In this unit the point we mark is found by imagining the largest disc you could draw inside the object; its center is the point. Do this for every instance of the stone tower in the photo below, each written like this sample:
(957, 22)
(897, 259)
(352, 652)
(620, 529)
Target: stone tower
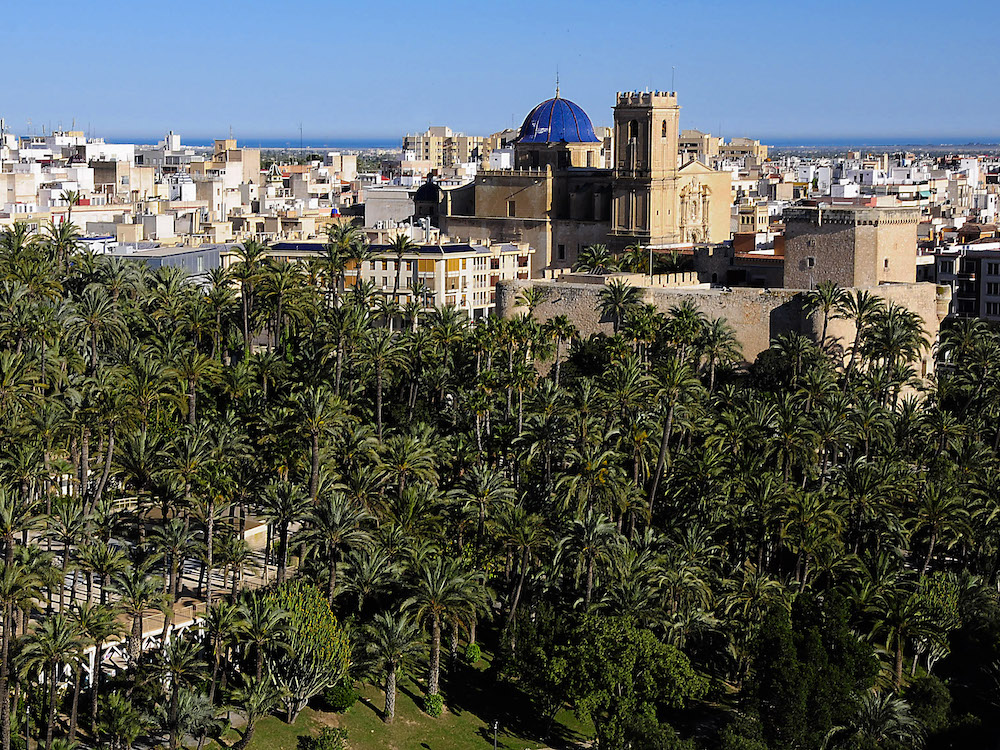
(644, 204)
(850, 245)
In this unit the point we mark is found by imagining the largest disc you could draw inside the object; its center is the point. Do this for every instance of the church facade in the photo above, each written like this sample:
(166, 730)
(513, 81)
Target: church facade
(565, 194)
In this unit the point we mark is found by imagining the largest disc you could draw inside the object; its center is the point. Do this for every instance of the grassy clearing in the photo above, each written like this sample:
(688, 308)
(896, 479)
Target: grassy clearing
(473, 704)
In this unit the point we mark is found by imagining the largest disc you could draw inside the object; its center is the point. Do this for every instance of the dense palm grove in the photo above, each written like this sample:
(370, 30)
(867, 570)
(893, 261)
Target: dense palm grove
(801, 553)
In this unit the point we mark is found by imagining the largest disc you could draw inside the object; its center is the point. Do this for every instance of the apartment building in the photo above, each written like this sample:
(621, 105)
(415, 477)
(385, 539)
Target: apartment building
(972, 271)
(464, 275)
(442, 147)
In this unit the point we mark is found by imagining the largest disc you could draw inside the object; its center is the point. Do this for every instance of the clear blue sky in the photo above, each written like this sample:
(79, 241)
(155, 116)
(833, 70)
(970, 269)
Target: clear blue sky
(377, 69)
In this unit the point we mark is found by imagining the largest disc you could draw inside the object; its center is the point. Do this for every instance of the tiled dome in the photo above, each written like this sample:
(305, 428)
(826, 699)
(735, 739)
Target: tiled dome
(557, 120)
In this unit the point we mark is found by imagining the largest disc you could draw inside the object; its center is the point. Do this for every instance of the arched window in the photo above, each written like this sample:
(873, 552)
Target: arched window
(663, 130)
(633, 129)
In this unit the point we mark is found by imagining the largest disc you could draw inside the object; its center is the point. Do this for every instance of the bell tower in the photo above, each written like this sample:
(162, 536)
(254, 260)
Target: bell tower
(644, 204)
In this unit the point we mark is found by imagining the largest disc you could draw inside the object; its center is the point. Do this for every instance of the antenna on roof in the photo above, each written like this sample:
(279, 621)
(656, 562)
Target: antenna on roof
(557, 81)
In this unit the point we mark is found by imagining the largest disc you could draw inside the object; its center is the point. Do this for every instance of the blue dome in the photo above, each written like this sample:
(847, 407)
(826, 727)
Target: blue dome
(557, 120)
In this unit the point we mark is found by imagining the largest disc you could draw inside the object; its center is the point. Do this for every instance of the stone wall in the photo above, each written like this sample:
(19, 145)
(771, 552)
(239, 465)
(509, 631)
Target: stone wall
(757, 316)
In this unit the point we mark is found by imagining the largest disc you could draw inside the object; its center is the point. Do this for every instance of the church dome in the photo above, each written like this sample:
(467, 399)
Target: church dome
(557, 120)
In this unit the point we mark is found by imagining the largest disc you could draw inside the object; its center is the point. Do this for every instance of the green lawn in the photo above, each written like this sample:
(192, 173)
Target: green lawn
(473, 704)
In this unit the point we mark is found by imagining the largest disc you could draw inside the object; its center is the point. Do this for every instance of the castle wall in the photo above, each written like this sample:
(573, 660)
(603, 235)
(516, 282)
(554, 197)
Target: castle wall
(757, 316)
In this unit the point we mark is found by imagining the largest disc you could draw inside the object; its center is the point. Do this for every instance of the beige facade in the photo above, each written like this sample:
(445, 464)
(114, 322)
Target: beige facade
(443, 148)
(853, 246)
(739, 148)
(693, 145)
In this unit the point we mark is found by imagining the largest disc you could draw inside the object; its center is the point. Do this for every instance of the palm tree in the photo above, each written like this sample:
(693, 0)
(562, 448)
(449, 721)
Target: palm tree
(323, 413)
(560, 329)
(439, 593)
(55, 644)
(595, 259)
(616, 299)
(138, 591)
(19, 587)
(405, 458)
(69, 525)
(248, 272)
(592, 538)
(62, 240)
(531, 297)
(265, 623)
(174, 540)
(225, 623)
(676, 384)
(258, 697)
(283, 504)
(827, 299)
(942, 514)
(179, 665)
(98, 318)
(882, 720)
(192, 369)
(394, 640)
(98, 624)
(524, 534)
(385, 352)
(899, 615)
(121, 722)
(717, 346)
(333, 525)
(400, 246)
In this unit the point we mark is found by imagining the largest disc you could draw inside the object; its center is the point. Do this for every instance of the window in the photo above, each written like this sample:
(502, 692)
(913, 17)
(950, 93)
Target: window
(885, 264)
(947, 266)
(562, 252)
(993, 269)
(810, 262)
(510, 209)
(663, 130)
(993, 288)
(992, 308)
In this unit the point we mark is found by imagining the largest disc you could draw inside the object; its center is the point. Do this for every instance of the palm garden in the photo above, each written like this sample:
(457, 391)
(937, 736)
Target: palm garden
(685, 552)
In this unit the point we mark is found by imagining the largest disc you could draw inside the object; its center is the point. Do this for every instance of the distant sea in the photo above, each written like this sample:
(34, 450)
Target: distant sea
(871, 142)
(781, 143)
(308, 144)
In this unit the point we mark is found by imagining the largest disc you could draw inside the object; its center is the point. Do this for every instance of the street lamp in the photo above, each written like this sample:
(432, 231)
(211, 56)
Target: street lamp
(496, 726)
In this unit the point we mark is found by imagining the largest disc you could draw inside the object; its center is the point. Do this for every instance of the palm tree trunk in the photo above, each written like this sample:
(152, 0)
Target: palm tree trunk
(282, 552)
(378, 402)
(314, 466)
(8, 620)
(332, 585)
(50, 724)
(75, 704)
(209, 551)
(192, 401)
(95, 687)
(390, 694)
(517, 591)
(435, 660)
(244, 741)
(662, 458)
(930, 554)
(590, 581)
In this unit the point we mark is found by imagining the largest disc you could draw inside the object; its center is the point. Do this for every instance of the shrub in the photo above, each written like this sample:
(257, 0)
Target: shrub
(330, 738)
(473, 653)
(340, 697)
(433, 705)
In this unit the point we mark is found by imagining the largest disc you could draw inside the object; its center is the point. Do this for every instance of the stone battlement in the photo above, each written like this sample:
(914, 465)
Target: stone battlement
(642, 98)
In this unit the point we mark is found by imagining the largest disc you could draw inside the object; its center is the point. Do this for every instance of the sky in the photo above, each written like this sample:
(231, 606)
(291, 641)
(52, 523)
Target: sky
(802, 71)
